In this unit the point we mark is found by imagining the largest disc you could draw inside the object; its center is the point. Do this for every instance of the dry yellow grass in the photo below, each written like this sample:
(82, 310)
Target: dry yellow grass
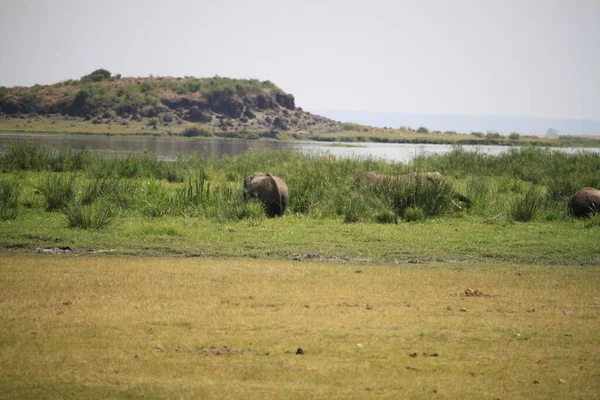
(115, 327)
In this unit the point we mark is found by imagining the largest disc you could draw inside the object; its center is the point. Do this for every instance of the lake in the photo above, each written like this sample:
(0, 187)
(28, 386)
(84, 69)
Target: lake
(170, 148)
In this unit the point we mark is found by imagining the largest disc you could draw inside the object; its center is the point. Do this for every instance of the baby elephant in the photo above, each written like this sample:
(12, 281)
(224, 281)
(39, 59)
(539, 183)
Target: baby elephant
(585, 202)
(270, 190)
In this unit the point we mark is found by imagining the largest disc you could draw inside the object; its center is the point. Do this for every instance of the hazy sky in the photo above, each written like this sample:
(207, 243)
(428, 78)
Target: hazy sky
(493, 57)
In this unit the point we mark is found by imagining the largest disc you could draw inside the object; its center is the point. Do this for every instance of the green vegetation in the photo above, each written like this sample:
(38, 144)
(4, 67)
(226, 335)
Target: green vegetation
(112, 198)
(105, 103)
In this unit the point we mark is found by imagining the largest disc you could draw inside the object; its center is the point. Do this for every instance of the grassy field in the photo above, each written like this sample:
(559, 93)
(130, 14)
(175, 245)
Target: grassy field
(164, 283)
(129, 327)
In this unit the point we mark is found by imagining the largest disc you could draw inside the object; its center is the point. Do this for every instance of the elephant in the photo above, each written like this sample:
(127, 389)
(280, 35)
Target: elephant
(270, 190)
(585, 202)
(411, 178)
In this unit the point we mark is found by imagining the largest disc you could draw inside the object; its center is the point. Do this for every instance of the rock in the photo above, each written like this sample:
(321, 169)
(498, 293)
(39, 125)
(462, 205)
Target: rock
(264, 102)
(281, 123)
(286, 100)
(197, 115)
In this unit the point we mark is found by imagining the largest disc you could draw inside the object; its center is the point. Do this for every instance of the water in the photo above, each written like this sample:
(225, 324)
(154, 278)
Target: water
(170, 148)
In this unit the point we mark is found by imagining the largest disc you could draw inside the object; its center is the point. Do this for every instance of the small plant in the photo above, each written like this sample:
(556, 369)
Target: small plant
(387, 217)
(525, 207)
(58, 191)
(10, 191)
(414, 214)
(95, 216)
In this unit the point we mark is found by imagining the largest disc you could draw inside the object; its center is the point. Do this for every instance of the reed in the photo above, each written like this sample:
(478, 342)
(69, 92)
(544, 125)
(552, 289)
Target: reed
(58, 190)
(96, 216)
(520, 185)
(10, 193)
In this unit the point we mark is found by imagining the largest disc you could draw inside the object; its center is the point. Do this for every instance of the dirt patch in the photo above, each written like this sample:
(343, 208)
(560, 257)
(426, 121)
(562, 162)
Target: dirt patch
(474, 293)
(54, 250)
(317, 257)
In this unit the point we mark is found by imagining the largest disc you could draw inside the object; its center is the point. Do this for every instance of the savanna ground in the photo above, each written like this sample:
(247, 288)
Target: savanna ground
(167, 285)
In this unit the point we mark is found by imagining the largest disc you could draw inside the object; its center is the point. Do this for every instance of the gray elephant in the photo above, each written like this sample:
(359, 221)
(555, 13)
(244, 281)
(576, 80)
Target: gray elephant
(585, 202)
(270, 190)
(377, 177)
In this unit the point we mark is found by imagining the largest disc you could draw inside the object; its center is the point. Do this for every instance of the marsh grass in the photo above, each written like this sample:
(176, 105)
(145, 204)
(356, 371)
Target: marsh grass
(57, 190)
(10, 193)
(525, 207)
(119, 327)
(524, 184)
(95, 216)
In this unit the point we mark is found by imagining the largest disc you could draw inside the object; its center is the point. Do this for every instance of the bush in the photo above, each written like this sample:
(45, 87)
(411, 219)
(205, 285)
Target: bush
(422, 129)
(514, 136)
(96, 76)
(196, 131)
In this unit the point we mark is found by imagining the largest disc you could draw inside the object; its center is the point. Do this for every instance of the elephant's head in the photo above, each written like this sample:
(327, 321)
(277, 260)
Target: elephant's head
(270, 190)
(585, 202)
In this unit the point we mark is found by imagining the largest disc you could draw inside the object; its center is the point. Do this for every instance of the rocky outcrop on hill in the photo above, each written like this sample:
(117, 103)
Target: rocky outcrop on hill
(219, 104)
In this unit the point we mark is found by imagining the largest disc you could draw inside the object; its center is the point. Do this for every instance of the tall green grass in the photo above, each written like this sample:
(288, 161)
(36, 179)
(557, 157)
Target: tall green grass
(96, 216)
(520, 185)
(57, 190)
(10, 192)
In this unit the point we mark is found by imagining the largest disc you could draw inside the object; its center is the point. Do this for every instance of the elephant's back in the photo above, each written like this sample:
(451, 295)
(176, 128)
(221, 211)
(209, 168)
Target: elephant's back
(585, 201)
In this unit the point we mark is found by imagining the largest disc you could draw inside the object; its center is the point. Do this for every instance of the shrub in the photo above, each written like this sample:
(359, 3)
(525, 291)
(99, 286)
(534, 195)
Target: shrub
(96, 76)
(10, 192)
(89, 98)
(422, 129)
(514, 136)
(195, 131)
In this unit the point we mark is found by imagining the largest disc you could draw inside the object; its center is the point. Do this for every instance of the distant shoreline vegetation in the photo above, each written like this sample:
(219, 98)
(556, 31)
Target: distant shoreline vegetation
(107, 104)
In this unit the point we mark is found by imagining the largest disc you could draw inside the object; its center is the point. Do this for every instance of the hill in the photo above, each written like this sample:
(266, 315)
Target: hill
(104, 103)
(189, 106)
